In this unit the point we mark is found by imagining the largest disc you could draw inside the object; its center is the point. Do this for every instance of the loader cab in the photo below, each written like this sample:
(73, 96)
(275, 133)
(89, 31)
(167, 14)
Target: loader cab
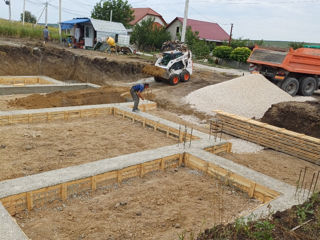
(170, 55)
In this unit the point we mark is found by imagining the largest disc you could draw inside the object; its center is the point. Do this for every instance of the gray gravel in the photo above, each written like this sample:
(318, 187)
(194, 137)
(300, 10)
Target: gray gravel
(248, 96)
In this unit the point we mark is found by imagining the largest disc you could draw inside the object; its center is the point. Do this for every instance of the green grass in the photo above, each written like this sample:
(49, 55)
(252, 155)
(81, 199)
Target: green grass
(17, 30)
(282, 44)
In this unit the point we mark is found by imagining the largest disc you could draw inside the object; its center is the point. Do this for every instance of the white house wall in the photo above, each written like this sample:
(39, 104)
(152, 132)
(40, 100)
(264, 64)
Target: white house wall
(172, 29)
(156, 19)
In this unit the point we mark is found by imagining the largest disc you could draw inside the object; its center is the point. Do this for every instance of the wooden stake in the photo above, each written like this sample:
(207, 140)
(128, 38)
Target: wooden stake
(93, 183)
(64, 191)
(29, 201)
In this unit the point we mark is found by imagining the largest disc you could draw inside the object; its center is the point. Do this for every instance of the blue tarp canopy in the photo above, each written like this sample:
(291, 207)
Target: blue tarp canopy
(69, 24)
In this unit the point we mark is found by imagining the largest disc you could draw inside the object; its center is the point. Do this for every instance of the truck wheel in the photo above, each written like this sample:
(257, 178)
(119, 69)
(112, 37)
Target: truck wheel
(184, 76)
(308, 86)
(158, 79)
(174, 79)
(290, 85)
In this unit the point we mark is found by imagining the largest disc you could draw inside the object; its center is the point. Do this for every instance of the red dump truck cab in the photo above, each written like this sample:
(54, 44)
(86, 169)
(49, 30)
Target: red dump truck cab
(296, 71)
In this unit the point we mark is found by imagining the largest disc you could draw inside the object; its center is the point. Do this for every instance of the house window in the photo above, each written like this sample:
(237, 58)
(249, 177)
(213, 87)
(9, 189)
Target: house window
(178, 30)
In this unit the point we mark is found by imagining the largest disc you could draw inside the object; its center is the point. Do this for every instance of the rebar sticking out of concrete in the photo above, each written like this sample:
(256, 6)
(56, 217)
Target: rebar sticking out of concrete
(185, 136)
(316, 182)
(311, 183)
(179, 135)
(304, 175)
(298, 183)
(191, 137)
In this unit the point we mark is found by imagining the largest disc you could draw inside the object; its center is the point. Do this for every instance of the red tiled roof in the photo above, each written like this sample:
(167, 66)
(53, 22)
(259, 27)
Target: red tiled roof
(207, 30)
(140, 13)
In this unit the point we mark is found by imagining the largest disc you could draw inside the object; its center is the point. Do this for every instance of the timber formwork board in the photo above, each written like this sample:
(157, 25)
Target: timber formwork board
(25, 80)
(292, 143)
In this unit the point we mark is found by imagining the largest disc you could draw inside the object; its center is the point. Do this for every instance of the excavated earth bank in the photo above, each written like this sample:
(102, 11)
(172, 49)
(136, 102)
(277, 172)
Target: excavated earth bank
(64, 65)
(101, 95)
(302, 117)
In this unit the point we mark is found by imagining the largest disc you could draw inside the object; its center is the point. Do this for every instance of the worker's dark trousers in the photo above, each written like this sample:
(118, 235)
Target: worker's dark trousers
(135, 99)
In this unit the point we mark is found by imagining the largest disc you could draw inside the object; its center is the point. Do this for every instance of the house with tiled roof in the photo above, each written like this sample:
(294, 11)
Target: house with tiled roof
(141, 14)
(207, 30)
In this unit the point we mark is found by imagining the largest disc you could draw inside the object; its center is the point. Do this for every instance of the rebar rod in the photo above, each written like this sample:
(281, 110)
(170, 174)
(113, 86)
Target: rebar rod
(316, 182)
(311, 183)
(298, 183)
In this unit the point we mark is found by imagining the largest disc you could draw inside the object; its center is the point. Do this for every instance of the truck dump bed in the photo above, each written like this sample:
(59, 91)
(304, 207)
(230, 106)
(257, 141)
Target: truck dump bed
(302, 60)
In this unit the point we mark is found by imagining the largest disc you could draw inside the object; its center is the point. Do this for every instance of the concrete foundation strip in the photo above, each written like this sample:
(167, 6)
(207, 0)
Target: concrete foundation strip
(27, 192)
(37, 84)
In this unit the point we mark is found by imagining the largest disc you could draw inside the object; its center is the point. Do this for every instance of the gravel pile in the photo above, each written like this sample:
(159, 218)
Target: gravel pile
(248, 96)
(242, 146)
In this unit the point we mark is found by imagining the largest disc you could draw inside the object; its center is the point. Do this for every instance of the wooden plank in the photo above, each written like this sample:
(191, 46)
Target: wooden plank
(119, 176)
(252, 188)
(283, 131)
(275, 145)
(271, 134)
(93, 183)
(29, 201)
(64, 191)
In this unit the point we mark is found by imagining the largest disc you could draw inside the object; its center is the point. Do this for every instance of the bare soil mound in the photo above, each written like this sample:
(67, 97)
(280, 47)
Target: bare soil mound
(64, 64)
(302, 117)
(301, 222)
(73, 98)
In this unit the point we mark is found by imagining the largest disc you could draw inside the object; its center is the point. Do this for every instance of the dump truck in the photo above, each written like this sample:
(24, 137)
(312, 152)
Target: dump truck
(296, 71)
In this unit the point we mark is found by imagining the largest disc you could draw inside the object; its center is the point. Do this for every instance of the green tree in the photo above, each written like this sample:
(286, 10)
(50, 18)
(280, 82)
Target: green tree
(222, 52)
(200, 49)
(240, 54)
(121, 11)
(28, 17)
(191, 37)
(149, 36)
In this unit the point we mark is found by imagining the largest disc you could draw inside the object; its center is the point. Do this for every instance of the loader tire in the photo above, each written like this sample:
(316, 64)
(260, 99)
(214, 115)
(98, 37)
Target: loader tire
(184, 76)
(307, 86)
(290, 86)
(174, 79)
(157, 79)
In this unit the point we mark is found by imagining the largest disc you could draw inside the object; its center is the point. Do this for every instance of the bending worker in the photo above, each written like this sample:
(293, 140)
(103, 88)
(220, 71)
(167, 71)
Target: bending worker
(112, 44)
(136, 91)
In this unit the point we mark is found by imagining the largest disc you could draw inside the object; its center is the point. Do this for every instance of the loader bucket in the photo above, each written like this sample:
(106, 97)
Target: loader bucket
(154, 71)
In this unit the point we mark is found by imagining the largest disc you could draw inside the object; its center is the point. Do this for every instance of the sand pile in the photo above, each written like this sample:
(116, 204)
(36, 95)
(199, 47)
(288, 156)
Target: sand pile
(249, 96)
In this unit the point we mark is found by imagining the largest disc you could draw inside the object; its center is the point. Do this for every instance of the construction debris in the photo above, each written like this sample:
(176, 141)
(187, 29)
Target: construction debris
(173, 45)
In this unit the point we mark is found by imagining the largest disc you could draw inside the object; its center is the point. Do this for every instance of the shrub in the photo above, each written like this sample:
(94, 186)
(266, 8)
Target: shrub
(240, 54)
(200, 49)
(296, 45)
(222, 52)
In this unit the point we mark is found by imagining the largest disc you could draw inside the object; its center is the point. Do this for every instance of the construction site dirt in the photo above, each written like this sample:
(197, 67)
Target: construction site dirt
(35, 148)
(159, 206)
(296, 116)
(162, 205)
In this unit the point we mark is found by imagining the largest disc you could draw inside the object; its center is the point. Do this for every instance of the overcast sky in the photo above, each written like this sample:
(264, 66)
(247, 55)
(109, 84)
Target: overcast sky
(291, 20)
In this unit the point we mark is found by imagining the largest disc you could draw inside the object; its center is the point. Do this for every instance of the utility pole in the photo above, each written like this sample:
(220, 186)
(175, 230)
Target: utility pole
(24, 11)
(60, 21)
(111, 16)
(230, 36)
(46, 13)
(184, 26)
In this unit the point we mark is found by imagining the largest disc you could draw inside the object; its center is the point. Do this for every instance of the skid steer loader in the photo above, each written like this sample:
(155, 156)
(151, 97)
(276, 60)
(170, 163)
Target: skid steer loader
(173, 66)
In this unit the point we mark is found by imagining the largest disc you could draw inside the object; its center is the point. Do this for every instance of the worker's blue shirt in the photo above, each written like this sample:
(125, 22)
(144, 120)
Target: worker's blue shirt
(138, 88)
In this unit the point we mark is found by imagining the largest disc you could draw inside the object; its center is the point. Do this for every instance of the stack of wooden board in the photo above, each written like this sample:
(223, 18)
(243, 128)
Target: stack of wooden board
(280, 139)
